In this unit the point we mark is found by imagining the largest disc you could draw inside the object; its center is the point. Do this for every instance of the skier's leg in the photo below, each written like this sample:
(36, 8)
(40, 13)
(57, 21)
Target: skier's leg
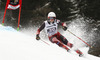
(70, 45)
(65, 41)
(60, 44)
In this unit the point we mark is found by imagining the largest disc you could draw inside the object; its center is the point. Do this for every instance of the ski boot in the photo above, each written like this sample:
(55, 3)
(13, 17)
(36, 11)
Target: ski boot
(80, 55)
(64, 46)
(68, 50)
(79, 52)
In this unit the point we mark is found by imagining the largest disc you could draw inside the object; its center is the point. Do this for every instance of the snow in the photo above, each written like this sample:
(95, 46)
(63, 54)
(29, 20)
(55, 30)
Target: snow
(16, 45)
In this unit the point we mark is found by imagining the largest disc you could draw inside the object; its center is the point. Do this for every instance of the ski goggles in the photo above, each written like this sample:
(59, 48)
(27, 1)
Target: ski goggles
(51, 18)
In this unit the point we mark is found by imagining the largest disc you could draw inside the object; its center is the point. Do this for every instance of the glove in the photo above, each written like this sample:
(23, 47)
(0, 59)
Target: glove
(64, 28)
(37, 37)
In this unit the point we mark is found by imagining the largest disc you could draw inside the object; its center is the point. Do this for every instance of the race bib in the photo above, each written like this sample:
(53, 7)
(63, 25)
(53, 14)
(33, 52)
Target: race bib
(51, 30)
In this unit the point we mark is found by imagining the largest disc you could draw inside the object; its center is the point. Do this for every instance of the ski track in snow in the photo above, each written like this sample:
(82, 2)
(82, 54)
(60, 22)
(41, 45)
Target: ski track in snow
(16, 45)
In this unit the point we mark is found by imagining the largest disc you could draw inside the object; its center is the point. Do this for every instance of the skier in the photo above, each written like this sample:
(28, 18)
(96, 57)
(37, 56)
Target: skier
(54, 36)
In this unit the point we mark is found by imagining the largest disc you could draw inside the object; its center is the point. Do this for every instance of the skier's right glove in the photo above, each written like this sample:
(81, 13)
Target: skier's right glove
(37, 37)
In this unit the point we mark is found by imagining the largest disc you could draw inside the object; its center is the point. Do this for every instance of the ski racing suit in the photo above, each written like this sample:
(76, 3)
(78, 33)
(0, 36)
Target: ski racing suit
(53, 35)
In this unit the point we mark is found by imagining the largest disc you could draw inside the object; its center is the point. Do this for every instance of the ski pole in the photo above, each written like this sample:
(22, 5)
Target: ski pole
(45, 42)
(80, 39)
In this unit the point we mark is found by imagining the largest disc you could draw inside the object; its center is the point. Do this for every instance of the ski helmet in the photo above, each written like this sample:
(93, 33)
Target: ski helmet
(51, 14)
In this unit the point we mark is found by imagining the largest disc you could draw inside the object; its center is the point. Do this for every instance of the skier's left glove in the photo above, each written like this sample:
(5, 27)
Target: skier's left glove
(64, 28)
(37, 37)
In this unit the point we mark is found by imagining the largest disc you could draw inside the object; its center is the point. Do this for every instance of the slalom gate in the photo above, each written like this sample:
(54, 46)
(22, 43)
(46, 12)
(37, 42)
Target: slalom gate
(13, 6)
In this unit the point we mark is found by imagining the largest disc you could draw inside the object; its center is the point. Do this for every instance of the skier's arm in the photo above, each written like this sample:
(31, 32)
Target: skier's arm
(39, 30)
(62, 24)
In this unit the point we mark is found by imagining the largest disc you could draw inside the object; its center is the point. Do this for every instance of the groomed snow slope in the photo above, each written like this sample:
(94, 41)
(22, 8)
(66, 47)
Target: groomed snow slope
(16, 45)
